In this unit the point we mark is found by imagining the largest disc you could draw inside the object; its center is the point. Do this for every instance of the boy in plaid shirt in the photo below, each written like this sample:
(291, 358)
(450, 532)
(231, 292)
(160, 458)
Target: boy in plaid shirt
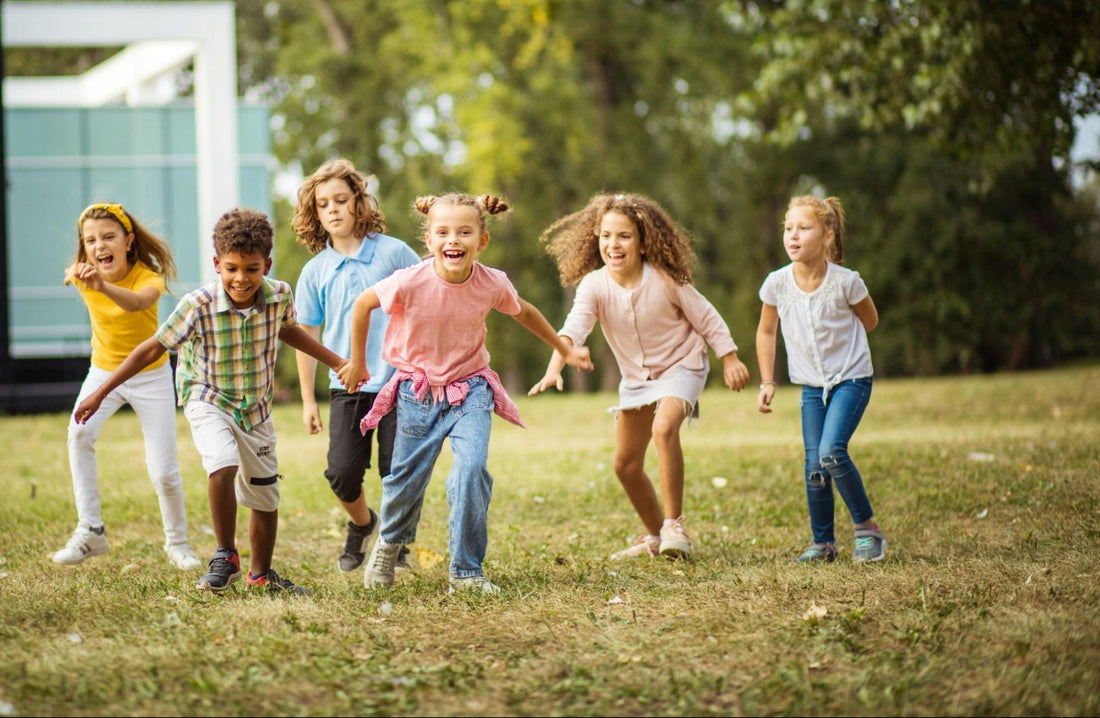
(226, 334)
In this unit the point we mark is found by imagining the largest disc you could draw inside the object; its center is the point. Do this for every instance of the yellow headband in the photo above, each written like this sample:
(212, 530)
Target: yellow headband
(116, 211)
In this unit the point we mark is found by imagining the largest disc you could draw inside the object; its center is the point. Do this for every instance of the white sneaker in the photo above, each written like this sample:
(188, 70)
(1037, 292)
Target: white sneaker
(83, 544)
(380, 566)
(675, 543)
(183, 557)
(473, 583)
(643, 545)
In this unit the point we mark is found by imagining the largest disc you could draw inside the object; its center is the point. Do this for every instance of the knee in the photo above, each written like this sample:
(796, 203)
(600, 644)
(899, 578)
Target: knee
(665, 432)
(82, 435)
(346, 487)
(833, 457)
(817, 480)
(626, 466)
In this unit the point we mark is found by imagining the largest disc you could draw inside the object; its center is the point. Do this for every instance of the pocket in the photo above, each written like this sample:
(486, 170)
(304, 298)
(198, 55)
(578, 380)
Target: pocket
(412, 415)
(479, 398)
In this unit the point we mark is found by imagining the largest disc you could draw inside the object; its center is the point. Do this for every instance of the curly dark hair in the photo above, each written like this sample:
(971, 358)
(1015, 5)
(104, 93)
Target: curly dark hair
(485, 205)
(244, 230)
(574, 240)
(307, 225)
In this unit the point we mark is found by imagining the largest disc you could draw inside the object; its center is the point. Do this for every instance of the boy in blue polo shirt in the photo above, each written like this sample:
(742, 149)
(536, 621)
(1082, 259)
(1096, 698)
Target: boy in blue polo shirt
(338, 220)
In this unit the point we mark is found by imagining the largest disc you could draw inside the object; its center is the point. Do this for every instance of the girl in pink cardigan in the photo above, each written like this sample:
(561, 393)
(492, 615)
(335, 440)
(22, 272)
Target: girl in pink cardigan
(632, 264)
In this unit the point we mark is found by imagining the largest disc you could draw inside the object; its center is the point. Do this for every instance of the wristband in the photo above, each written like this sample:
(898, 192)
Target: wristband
(766, 383)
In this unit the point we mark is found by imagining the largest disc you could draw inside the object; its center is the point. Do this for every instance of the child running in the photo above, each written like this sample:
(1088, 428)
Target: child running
(826, 312)
(121, 270)
(339, 221)
(443, 386)
(226, 334)
(632, 262)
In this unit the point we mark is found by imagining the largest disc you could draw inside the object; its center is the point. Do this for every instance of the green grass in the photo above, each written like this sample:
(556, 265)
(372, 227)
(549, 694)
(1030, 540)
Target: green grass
(985, 605)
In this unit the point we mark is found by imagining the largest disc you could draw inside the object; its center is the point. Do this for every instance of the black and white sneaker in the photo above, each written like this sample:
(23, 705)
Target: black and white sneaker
(357, 543)
(224, 569)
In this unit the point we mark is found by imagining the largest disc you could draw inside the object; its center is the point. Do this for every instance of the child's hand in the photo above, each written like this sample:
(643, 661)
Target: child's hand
(764, 398)
(579, 357)
(551, 378)
(311, 417)
(734, 372)
(352, 375)
(87, 274)
(87, 408)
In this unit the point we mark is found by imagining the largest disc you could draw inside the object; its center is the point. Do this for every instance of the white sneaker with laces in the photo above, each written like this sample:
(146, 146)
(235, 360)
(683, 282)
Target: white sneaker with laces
(642, 546)
(473, 583)
(84, 544)
(675, 542)
(380, 566)
(183, 557)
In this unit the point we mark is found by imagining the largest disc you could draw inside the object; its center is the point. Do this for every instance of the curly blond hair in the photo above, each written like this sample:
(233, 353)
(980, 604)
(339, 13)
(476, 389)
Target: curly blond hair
(574, 240)
(307, 225)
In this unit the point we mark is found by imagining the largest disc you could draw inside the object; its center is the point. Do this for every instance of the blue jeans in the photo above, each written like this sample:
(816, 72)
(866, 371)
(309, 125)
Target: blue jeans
(421, 428)
(826, 429)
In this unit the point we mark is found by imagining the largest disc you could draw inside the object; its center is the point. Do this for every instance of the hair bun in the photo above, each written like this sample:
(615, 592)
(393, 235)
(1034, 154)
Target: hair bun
(423, 204)
(493, 204)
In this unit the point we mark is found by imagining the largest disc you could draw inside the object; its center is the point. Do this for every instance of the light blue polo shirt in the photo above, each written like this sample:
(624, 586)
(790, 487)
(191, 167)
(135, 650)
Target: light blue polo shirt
(326, 292)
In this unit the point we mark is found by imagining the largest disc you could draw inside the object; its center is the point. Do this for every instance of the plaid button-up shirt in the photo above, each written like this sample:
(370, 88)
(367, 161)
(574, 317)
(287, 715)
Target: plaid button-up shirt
(227, 355)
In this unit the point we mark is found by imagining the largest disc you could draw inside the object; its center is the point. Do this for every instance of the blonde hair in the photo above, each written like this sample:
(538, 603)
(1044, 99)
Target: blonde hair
(146, 248)
(307, 224)
(574, 240)
(484, 205)
(830, 214)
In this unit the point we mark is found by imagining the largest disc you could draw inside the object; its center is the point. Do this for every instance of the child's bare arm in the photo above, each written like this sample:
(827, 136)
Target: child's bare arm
(142, 356)
(354, 373)
(867, 313)
(533, 320)
(307, 374)
(552, 377)
(765, 356)
(127, 299)
(298, 338)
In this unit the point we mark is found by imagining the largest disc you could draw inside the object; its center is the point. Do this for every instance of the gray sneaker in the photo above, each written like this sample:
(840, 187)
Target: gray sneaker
(824, 552)
(870, 545)
(380, 567)
(357, 543)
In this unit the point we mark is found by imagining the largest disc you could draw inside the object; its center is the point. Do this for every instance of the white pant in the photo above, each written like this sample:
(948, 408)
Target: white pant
(152, 397)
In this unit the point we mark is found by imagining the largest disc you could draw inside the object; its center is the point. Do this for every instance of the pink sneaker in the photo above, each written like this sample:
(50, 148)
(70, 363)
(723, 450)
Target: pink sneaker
(675, 542)
(642, 546)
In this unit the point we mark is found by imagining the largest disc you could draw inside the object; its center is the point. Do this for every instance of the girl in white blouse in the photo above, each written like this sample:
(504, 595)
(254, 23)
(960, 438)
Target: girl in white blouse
(825, 312)
(632, 262)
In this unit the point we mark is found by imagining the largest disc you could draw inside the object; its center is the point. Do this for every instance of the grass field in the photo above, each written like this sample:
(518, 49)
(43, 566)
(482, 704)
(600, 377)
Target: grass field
(988, 489)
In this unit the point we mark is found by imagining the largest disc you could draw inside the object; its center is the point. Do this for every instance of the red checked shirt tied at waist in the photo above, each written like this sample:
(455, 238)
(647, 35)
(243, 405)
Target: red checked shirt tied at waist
(453, 393)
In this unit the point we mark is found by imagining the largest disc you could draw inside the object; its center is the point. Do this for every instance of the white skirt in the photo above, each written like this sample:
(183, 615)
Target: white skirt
(683, 384)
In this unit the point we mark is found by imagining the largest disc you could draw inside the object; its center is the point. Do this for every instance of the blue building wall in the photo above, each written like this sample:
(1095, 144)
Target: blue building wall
(59, 160)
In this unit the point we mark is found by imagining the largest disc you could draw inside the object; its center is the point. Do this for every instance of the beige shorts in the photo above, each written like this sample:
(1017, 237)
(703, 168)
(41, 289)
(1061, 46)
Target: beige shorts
(221, 443)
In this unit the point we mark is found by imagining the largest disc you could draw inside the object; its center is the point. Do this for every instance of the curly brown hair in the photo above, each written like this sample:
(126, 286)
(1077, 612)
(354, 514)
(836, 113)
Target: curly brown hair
(574, 240)
(307, 225)
(244, 230)
(147, 248)
(485, 205)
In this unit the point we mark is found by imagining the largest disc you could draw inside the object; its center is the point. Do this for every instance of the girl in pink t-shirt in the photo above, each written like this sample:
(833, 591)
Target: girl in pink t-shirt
(443, 387)
(632, 264)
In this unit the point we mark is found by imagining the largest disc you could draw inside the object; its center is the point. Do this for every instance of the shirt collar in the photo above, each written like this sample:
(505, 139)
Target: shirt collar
(365, 253)
(263, 296)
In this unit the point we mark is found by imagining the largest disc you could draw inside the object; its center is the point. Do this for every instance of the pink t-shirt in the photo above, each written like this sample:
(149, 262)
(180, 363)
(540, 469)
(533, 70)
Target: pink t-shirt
(438, 328)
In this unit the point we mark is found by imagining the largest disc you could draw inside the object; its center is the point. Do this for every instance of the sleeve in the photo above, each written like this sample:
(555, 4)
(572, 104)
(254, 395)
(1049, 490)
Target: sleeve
(180, 324)
(584, 312)
(309, 297)
(288, 316)
(768, 293)
(855, 291)
(703, 317)
(507, 298)
(388, 290)
(149, 278)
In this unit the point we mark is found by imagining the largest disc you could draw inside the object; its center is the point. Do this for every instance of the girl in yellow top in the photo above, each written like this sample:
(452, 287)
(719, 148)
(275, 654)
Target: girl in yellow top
(120, 271)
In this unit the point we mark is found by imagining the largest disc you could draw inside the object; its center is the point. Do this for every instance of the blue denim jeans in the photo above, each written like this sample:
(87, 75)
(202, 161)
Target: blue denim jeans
(421, 428)
(826, 430)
